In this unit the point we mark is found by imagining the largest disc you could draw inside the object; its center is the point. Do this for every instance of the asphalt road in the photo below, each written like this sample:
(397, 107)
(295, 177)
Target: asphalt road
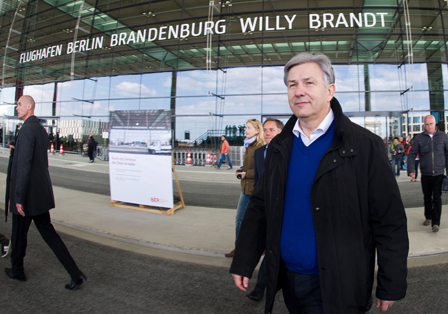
(125, 282)
(196, 192)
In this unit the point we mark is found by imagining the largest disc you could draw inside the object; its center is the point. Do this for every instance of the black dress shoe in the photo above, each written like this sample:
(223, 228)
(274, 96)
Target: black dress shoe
(76, 283)
(253, 296)
(11, 275)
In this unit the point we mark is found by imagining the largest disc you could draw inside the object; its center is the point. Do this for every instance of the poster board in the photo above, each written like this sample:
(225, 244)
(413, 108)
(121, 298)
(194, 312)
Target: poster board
(140, 157)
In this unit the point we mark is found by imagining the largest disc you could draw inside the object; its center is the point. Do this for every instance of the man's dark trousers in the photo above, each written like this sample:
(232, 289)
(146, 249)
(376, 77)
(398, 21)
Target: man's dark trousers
(432, 192)
(302, 293)
(20, 226)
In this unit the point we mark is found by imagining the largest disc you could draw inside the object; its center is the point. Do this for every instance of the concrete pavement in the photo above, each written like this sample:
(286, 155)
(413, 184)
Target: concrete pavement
(194, 234)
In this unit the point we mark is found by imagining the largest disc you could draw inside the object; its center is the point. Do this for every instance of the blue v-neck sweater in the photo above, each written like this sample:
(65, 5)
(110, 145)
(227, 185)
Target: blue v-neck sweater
(298, 240)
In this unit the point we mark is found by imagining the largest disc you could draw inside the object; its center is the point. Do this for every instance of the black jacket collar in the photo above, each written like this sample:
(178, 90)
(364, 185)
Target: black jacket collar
(31, 119)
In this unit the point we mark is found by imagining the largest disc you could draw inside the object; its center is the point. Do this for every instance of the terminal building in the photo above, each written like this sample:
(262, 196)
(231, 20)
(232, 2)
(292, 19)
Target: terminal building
(216, 64)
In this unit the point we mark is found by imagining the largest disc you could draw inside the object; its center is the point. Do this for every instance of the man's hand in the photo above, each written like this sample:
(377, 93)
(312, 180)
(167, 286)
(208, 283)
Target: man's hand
(383, 305)
(413, 175)
(241, 282)
(20, 209)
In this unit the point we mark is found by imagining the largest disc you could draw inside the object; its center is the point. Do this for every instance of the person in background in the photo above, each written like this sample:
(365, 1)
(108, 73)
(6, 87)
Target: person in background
(271, 127)
(432, 148)
(224, 150)
(417, 161)
(91, 144)
(402, 141)
(397, 150)
(405, 154)
(254, 140)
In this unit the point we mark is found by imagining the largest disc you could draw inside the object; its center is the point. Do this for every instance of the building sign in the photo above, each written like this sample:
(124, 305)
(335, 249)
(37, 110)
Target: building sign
(181, 31)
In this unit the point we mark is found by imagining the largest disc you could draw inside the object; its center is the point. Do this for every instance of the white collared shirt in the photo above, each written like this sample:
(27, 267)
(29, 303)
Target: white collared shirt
(321, 129)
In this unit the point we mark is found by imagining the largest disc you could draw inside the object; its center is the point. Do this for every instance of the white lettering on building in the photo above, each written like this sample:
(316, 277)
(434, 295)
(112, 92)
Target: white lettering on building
(327, 20)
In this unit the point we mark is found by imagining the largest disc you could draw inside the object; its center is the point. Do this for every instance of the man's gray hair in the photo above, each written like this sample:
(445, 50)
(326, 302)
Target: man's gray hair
(305, 57)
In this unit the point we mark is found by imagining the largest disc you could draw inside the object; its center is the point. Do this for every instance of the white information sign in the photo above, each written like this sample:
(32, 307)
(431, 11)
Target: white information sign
(140, 157)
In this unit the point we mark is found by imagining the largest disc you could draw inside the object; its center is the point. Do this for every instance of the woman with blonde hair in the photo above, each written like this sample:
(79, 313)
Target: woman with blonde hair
(254, 140)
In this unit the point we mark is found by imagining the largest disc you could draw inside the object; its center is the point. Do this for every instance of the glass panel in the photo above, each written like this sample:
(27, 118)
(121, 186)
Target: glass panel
(96, 88)
(159, 82)
(194, 83)
(195, 105)
(125, 104)
(351, 101)
(349, 77)
(129, 86)
(383, 77)
(419, 100)
(243, 104)
(69, 90)
(276, 104)
(40, 93)
(8, 95)
(243, 81)
(153, 104)
(273, 80)
(195, 125)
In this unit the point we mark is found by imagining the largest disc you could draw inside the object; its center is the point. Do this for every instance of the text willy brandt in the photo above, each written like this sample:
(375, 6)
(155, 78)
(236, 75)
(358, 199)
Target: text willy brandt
(181, 31)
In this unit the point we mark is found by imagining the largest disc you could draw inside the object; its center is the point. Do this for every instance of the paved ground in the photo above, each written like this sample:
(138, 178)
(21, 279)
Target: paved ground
(129, 273)
(125, 282)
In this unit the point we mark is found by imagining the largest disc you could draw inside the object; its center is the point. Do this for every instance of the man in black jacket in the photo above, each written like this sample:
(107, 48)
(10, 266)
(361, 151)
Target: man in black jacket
(325, 204)
(432, 147)
(31, 196)
(271, 127)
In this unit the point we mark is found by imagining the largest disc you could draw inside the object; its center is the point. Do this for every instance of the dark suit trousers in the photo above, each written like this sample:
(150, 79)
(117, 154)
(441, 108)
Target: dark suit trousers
(432, 194)
(20, 227)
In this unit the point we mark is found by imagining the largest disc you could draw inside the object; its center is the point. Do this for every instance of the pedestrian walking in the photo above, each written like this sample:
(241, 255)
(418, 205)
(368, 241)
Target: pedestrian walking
(396, 150)
(224, 150)
(91, 150)
(254, 140)
(31, 196)
(271, 128)
(431, 146)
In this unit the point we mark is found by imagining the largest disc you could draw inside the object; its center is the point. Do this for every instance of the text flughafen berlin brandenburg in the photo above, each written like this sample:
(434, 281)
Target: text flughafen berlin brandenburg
(252, 24)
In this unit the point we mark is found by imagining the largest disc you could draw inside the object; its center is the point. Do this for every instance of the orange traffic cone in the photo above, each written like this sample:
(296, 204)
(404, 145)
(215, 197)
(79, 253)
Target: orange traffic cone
(61, 150)
(52, 149)
(188, 163)
(208, 159)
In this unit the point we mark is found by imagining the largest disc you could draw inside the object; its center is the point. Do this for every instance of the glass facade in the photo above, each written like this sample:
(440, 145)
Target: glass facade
(216, 64)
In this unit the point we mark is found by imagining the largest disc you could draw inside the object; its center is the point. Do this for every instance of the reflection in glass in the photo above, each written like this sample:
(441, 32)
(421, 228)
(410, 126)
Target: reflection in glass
(129, 86)
(194, 83)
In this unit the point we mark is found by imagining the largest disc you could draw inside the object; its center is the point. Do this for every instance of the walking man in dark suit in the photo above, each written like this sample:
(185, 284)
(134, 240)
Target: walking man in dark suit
(271, 128)
(31, 196)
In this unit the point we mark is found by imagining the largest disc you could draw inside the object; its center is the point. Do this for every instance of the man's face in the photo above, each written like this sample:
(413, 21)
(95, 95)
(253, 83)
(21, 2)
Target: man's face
(222, 138)
(395, 141)
(270, 131)
(307, 94)
(430, 125)
(22, 108)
